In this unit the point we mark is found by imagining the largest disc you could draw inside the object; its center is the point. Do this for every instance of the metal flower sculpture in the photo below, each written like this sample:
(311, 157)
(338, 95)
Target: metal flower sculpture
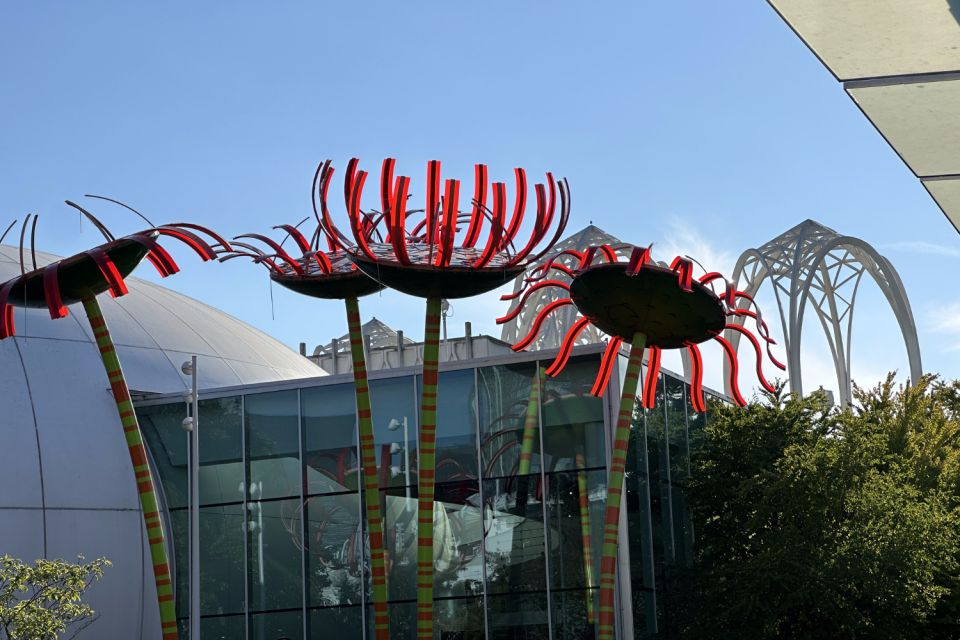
(426, 260)
(81, 278)
(653, 307)
(331, 275)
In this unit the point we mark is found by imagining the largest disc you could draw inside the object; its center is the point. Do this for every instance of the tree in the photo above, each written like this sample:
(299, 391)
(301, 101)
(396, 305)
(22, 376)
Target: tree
(40, 601)
(814, 522)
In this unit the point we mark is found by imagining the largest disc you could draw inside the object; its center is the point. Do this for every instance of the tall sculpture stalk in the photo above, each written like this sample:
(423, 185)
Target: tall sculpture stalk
(427, 469)
(141, 468)
(618, 462)
(368, 462)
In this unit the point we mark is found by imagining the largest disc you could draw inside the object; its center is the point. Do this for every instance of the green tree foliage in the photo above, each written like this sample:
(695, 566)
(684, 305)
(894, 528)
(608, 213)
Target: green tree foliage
(813, 522)
(41, 601)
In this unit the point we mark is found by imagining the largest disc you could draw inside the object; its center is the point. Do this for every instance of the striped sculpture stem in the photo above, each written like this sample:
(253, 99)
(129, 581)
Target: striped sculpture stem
(141, 468)
(427, 470)
(530, 425)
(368, 463)
(618, 463)
(583, 491)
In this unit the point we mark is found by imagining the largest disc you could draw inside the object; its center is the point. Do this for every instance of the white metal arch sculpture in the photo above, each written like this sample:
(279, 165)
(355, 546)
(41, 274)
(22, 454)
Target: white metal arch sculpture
(814, 264)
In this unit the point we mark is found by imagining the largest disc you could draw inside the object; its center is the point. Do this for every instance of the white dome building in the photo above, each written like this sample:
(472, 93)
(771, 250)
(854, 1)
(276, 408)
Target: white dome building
(66, 484)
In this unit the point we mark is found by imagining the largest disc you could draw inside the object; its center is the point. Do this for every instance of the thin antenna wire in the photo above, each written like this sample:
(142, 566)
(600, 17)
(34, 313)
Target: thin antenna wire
(125, 206)
(99, 225)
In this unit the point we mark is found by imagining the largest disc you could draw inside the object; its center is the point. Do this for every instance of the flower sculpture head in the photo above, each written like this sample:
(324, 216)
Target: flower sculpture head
(103, 268)
(315, 273)
(426, 259)
(666, 304)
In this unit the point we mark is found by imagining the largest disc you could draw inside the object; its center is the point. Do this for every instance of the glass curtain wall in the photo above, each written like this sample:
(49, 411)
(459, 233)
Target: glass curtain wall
(521, 486)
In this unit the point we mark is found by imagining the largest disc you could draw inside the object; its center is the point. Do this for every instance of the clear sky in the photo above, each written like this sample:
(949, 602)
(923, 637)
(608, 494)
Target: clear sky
(702, 127)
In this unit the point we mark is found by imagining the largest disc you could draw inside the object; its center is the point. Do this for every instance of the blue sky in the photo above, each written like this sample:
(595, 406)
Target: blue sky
(703, 127)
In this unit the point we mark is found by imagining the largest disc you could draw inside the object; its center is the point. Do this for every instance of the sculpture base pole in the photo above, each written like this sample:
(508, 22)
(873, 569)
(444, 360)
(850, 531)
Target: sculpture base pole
(368, 462)
(141, 468)
(426, 471)
(618, 462)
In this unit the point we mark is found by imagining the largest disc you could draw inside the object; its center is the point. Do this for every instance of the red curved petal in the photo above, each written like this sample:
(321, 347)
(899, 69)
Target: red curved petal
(649, 399)
(302, 243)
(566, 346)
(538, 322)
(7, 327)
(526, 295)
(479, 202)
(51, 292)
(696, 379)
(732, 359)
(758, 351)
(398, 220)
(109, 271)
(606, 367)
(448, 225)
(496, 226)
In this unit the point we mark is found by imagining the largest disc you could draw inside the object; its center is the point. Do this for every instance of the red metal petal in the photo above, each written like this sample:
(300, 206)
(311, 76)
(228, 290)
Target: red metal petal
(538, 322)
(566, 346)
(759, 354)
(479, 202)
(51, 292)
(196, 227)
(302, 243)
(526, 295)
(606, 367)
(696, 379)
(732, 359)
(684, 269)
(649, 400)
(519, 206)
(433, 200)
(273, 244)
(7, 328)
(109, 271)
(192, 240)
(356, 215)
(398, 220)
(448, 225)
(496, 226)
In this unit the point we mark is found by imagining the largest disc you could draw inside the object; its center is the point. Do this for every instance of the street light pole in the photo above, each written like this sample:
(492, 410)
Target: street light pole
(191, 424)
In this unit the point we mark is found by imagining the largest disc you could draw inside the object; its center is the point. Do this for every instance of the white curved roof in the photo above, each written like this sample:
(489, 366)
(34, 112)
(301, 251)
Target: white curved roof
(66, 485)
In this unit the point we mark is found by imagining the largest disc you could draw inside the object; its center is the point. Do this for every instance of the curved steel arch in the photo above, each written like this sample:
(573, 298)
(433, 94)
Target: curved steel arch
(814, 264)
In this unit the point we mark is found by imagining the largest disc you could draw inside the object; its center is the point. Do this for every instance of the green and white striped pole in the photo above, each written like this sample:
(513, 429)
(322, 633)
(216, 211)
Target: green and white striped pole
(427, 470)
(141, 468)
(618, 463)
(368, 463)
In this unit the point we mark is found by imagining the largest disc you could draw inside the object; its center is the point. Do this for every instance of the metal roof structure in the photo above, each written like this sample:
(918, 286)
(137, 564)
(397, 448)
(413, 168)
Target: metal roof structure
(900, 63)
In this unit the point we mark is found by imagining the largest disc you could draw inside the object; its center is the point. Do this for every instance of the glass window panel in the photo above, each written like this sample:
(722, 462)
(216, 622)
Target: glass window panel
(658, 469)
(456, 426)
(573, 420)
(279, 625)
(334, 544)
(179, 525)
(221, 559)
(675, 405)
(458, 528)
(574, 614)
(274, 559)
(506, 406)
(336, 623)
(458, 619)
(575, 512)
(640, 528)
(221, 450)
(222, 627)
(403, 620)
(394, 404)
(167, 441)
(273, 444)
(518, 617)
(330, 438)
(515, 539)
(400, 540)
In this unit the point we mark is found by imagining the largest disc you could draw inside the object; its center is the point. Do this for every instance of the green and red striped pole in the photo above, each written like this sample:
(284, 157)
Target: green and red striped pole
(368, 463)
(618, 463)
(427, 470)
(141, 468)
(530, 425)
(583, 491)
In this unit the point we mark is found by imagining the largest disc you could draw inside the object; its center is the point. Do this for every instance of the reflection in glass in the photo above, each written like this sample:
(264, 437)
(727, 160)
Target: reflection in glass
(333, 547)
(279, 625)
(330, 439)
(572, 418)
(456, 426)
(518, 617)
(573, 614)
(676, 411)
(273, 444)
(274, 559)
(514, 534)
(336, 623)
(458, 619)
(507, 401)
(222, 627)
(162, 429)
(575, 509)
(393, 402)
(221, 559)
(221, 450)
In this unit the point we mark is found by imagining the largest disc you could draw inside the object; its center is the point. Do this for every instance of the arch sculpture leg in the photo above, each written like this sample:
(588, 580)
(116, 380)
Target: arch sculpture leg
(141, 468)
(368, 462)
(618, 462)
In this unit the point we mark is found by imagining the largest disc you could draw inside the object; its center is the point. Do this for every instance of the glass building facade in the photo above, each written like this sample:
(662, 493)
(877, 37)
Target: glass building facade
(517, 544)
